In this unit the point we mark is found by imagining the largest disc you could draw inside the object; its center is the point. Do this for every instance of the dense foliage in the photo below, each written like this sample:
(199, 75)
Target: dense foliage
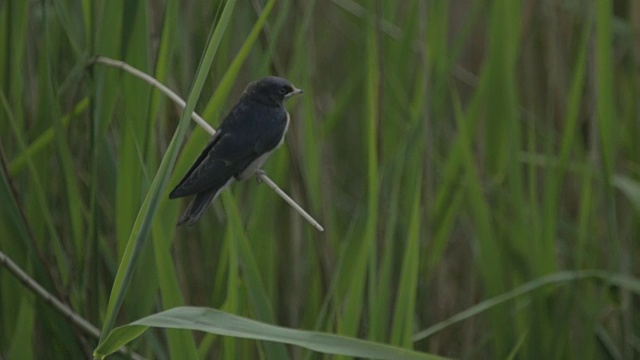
(456, 152)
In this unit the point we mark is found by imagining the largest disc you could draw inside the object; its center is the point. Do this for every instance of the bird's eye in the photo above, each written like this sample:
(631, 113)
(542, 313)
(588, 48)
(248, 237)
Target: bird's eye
(283, 90)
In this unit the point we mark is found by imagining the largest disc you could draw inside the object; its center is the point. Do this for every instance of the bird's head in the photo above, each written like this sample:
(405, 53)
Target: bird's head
(271, 90)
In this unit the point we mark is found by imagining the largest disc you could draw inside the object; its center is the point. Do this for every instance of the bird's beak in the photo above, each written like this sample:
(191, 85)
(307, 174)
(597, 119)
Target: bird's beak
(294, 92)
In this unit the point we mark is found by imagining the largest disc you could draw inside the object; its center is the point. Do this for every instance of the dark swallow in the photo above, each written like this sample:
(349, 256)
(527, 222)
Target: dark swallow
(253, 129)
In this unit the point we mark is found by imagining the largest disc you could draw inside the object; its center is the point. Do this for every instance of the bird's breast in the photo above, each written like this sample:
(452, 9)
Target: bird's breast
(256, 164)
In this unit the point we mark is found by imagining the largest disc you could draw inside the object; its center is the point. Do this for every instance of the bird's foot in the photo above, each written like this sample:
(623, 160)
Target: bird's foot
(259, 173)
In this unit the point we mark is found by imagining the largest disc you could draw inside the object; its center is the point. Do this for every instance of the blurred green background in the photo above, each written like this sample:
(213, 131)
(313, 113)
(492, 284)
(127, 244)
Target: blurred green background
(453, 151)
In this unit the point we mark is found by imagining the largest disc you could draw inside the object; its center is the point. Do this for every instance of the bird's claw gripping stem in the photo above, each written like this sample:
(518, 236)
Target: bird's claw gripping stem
(259, 173)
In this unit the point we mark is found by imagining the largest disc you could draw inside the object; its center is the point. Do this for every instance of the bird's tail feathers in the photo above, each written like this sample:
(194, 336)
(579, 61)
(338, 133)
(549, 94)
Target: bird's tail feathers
(196, 208)
(200, 203)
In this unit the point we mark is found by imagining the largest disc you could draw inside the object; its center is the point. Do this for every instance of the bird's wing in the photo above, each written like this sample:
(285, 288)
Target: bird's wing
(223, 157)
(200, 157)
(230, 152)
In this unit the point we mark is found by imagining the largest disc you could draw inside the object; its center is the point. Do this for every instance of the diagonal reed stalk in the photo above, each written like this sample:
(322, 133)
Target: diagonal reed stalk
(77, 320)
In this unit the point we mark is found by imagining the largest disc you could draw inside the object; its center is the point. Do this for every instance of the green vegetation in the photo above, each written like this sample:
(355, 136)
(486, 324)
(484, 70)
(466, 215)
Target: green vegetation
(475, 165)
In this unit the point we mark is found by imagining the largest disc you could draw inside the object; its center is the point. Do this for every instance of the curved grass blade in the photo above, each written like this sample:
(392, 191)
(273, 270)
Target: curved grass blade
(221, 323)
(623, 281)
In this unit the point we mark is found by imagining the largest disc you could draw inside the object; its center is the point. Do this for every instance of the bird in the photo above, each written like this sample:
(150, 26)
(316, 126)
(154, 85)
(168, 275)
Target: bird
(247, 136)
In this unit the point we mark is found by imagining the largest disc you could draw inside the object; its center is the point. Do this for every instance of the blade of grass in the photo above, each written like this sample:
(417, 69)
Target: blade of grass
(74, 207)
(145, 216)
(224, 86)
(21, 347)
(181, 343)
(559, 278)
(385, 284)
(136, 155)
(70, 25)
(490, 261)
(373, 110)
(261, 305)
(608, 148)
(218, 322)
(38, 190)
(106, 34)
(403, 323)
(131, 183)
(232, 302)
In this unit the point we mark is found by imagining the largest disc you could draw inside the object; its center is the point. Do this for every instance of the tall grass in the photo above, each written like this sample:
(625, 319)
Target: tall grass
(474, 165)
